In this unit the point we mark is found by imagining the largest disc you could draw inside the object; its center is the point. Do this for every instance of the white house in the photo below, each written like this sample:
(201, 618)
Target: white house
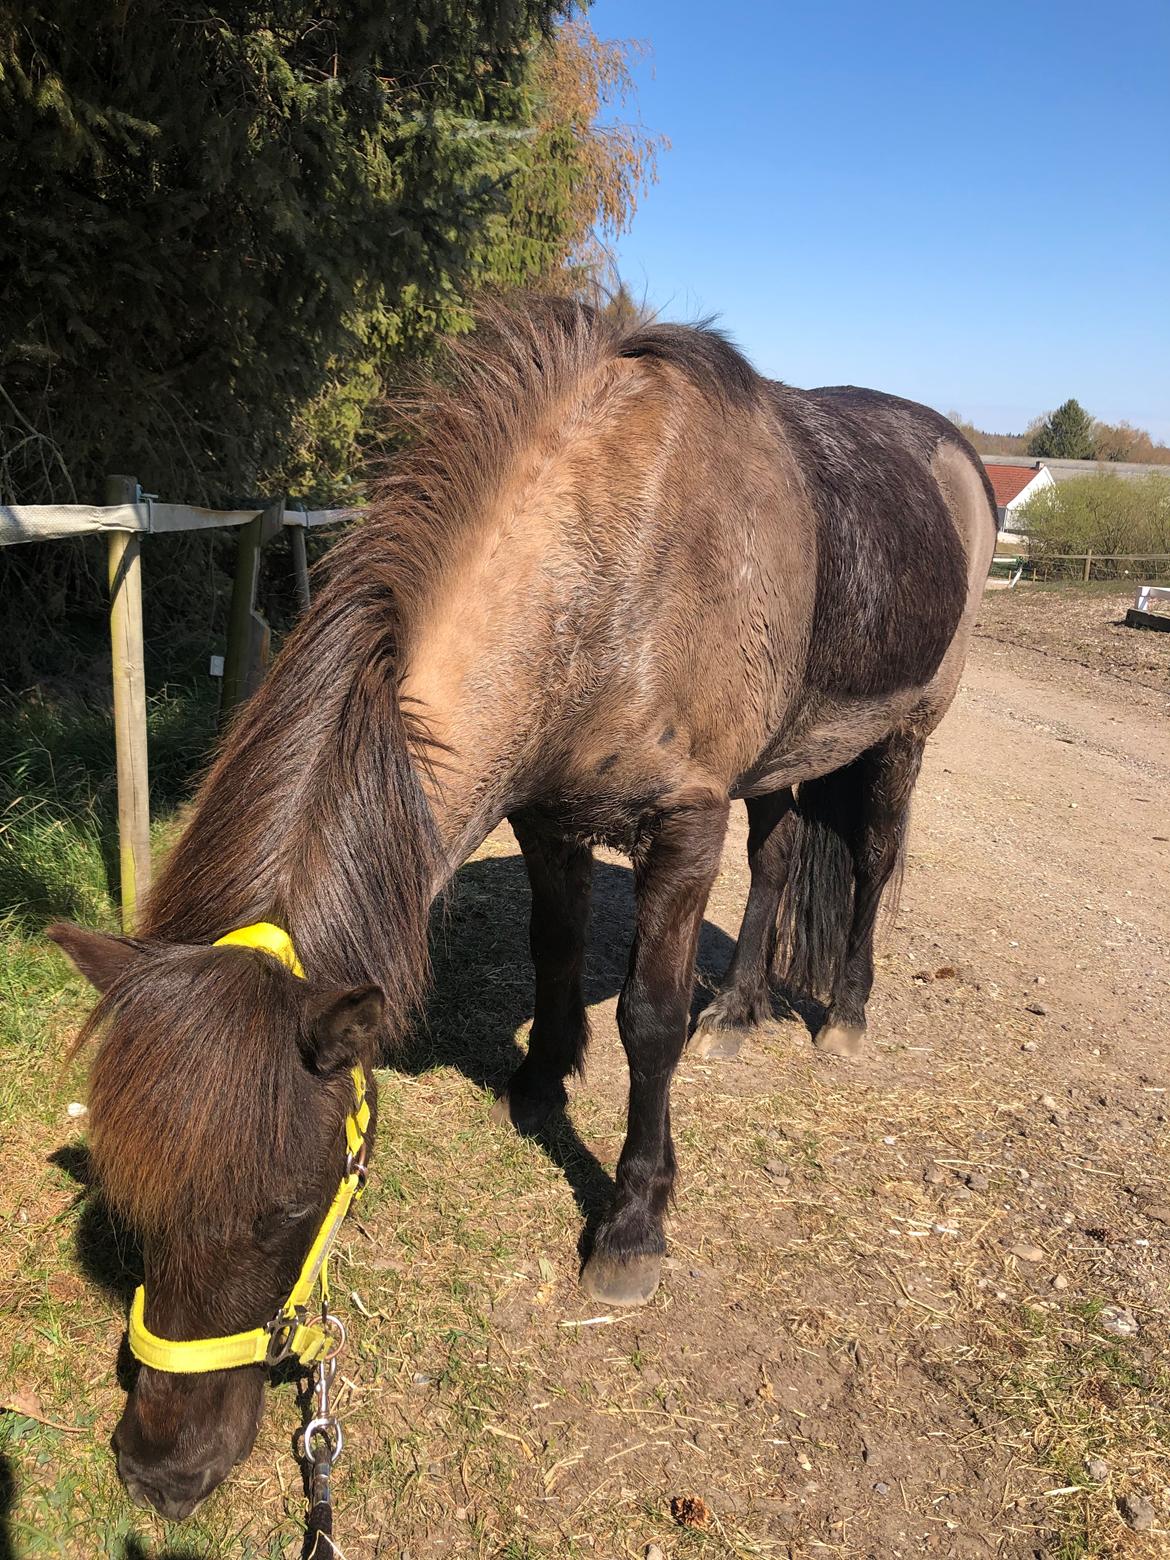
(1014, 485)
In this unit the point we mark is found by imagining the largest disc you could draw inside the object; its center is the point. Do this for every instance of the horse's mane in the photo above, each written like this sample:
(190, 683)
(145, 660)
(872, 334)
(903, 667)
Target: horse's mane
(313, 814)
(183, 1142)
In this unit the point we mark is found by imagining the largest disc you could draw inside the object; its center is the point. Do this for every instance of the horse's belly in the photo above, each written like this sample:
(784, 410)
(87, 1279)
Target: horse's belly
(818, 743)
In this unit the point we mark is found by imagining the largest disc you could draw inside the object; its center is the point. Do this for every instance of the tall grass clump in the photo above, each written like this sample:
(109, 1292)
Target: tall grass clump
(58, 798)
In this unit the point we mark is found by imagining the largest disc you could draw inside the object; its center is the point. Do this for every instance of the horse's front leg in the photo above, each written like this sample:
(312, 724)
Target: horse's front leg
(560, 872)
(673, 876)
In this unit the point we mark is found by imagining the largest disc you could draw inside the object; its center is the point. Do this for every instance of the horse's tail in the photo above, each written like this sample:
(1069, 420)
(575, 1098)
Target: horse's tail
(816, 911)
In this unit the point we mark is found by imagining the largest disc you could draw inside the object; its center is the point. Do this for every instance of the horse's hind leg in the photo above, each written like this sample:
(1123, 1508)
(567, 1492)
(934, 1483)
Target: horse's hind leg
(560, 873)
(890, 771)
(743, 1000)
(673, 878)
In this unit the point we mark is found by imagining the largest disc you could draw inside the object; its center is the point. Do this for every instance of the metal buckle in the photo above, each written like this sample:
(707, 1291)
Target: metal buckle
(329, 1428)
(330, 1319)
(355, 1164)
(282, 1330)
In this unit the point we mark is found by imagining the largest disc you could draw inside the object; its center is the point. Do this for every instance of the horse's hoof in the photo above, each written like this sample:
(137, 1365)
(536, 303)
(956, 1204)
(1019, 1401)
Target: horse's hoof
(841, 1040)
(501, 1112)
(621, 1281)
(719, 1034)
(715, 1042)
(526, 1116)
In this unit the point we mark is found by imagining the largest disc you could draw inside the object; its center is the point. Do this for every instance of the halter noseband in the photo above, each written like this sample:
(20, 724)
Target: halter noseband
(288, 1333)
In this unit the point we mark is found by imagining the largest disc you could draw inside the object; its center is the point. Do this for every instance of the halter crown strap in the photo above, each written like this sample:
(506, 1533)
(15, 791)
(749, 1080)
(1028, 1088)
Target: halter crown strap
(269, 939)
(287, 1333)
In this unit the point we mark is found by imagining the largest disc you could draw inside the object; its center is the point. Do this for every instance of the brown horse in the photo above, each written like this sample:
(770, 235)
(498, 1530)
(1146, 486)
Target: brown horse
(617, 581)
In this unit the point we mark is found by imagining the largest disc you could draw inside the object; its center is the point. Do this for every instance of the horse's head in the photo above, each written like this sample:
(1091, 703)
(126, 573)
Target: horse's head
(218, 1097)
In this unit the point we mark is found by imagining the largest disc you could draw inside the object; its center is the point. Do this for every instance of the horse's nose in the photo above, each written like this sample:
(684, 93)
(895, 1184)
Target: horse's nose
(173, 1496)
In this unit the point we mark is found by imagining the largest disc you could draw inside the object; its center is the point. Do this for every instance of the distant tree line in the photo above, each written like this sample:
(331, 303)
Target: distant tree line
(226, 228)
(1070, 433)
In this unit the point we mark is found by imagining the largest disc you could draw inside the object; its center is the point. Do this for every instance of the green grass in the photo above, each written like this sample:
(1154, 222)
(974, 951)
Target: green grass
(58, 859)
(58, 799)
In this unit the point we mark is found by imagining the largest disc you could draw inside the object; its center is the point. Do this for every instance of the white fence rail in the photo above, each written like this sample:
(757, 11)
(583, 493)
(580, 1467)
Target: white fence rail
(52, 522)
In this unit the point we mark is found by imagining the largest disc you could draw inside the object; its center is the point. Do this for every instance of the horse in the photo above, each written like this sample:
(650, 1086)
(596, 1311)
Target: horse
(614, 581)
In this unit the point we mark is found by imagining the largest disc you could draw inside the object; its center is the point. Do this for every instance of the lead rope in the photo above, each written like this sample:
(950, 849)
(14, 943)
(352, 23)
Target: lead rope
(322, 1441)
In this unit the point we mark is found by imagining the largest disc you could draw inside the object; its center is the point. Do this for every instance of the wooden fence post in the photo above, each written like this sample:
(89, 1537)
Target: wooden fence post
(1088, 565)
(296, 541)
(129, 677)
(248, 636)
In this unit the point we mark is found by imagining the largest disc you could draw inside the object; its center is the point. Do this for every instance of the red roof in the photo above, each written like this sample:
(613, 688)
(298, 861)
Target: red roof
(1009, 482)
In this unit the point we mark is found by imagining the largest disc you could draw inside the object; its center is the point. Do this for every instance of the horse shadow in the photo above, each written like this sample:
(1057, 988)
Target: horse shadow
(481, 998)
(7, 1503)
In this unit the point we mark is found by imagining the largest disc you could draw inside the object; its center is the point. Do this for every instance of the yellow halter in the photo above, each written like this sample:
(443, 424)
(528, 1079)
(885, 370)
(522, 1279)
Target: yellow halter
(287, 1333)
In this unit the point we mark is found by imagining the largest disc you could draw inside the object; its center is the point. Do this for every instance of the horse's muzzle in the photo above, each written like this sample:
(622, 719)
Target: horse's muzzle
(173, 1496)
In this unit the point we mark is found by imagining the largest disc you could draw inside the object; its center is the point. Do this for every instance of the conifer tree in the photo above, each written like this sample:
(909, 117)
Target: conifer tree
(223, 227)
(1066, 435)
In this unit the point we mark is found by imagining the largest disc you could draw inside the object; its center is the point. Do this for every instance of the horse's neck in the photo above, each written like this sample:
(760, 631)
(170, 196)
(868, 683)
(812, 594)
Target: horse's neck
(476, 679)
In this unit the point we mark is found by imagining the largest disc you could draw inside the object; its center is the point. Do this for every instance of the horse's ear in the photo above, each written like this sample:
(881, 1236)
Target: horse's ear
(100, 957)
(344, 1028)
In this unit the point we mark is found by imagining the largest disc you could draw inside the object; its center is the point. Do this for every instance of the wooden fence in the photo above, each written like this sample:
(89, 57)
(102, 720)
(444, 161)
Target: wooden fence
(125, 518)
(1090, 560)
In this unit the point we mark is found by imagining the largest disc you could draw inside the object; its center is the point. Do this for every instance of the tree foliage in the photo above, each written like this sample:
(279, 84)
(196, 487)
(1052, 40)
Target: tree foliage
(1105, 512)
(1066, 435)
(225, 226)
(1111, 441)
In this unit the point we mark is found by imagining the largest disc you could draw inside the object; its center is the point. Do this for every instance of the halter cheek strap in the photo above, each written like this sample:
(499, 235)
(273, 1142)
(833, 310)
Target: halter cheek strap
(287, 1334)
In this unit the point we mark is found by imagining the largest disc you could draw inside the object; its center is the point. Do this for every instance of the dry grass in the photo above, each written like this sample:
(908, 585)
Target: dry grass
(842, 1351)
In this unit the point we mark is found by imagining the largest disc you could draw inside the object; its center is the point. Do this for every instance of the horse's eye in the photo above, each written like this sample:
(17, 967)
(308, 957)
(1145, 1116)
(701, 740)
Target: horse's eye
(272, 1225)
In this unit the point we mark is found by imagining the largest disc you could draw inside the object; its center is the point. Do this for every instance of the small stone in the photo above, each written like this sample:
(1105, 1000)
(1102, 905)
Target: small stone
(881, 1488)
(1048, 1101)
(777, 1169)
(1036, 1007)
(960, 1193)
(977, 1180)
(1060, 1282)
(1118, 1321)
(1097, 1469)
(1026, 1252)
(421, 1379)
(889, 1141)
(1137, 1512)
(76, 1110)
(1028, 1045)
(932, 1175)
(461, 1513)
(652, 1552)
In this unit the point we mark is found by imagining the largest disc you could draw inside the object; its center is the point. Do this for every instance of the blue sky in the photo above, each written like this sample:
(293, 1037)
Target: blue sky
(966, 205)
